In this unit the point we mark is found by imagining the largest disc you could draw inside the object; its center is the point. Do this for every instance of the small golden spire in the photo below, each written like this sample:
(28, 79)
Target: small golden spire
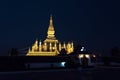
(51, 28)
(51, 17)
(29, 49)
(36, 42)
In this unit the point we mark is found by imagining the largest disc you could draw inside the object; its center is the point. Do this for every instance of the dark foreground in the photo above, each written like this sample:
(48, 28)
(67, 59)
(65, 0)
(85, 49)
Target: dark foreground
(99, 73)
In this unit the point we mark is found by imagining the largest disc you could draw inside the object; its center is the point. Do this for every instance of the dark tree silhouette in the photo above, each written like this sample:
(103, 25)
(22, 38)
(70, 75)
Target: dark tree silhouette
(77, 49)
(84, 61)
(14, 52)
(63, 52)
(115, 52)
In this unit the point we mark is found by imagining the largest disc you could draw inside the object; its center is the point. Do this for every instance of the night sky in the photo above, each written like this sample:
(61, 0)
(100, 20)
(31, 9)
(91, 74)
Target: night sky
(94, 24)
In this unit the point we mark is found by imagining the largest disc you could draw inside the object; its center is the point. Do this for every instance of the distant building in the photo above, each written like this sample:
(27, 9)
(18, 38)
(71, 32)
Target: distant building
(50, 46)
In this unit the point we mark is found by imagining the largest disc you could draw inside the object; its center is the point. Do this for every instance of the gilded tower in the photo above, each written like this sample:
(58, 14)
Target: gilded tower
(50, 46)
(51, 31)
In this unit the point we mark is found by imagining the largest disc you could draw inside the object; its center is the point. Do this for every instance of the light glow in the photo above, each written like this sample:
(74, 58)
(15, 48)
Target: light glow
(63, 64)
(81, 56)
(84, 55)
(82, 49)
(87, 56)
(94, 56)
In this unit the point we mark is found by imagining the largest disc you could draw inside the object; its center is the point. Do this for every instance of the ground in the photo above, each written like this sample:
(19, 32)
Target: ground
(98, 73)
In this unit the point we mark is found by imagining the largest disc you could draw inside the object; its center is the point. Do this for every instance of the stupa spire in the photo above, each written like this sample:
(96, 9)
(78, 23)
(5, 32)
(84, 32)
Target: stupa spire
(51, 30)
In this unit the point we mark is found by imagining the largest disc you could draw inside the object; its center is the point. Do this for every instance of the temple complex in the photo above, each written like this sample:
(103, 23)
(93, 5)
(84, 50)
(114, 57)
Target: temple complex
(50, 46)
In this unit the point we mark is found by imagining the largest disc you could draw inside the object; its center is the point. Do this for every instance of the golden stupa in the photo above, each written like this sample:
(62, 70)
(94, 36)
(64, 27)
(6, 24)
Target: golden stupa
(50, 46)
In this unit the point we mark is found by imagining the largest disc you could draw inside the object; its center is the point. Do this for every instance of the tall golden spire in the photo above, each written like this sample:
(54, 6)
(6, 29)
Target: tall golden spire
(51, 31)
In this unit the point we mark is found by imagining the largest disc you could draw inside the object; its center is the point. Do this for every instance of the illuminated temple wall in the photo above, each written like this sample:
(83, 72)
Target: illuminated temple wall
(50, 46)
